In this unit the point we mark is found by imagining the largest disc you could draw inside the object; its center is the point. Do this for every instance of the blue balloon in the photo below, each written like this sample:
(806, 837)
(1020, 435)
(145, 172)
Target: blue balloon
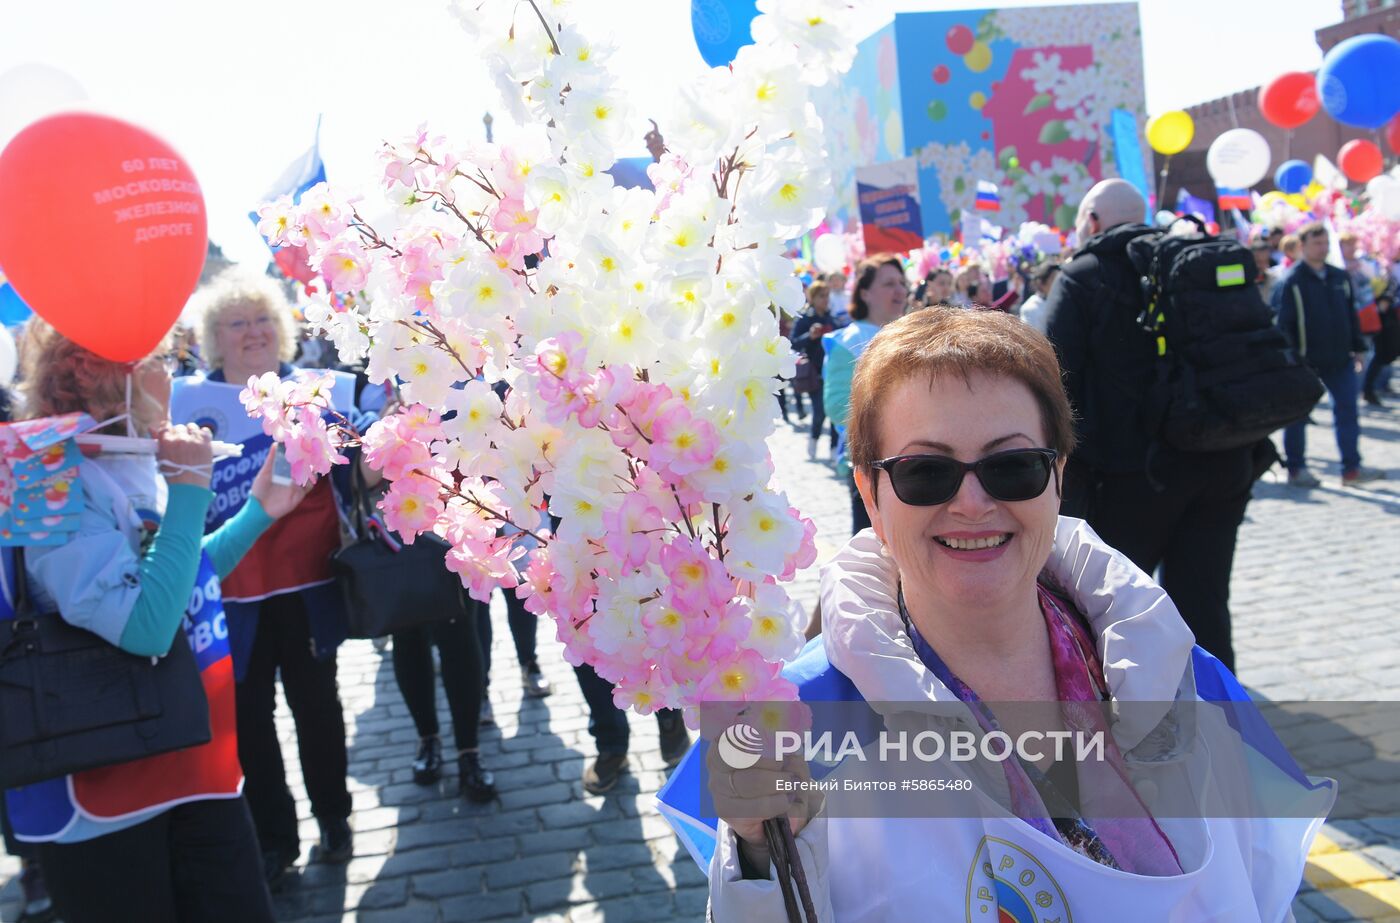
(945, 254)
(1293, 176)
(1357, 82)
(721, 28)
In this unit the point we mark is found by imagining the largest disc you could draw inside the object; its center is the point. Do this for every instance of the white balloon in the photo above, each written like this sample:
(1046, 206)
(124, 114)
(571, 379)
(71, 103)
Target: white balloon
(1384, 193)
(9, 358)
(829, 253)
(30, 91)
(1238, 159)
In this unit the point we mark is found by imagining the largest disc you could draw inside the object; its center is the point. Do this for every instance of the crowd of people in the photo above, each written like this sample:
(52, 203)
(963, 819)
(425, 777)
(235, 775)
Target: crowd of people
(1177, 512)
(1055, 350)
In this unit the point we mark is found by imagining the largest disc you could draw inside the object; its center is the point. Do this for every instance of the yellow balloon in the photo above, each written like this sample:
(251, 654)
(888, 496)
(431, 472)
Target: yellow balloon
(977, 100)
(1270, 199)
(1171, 132)
(1297, 201)
(979, 58)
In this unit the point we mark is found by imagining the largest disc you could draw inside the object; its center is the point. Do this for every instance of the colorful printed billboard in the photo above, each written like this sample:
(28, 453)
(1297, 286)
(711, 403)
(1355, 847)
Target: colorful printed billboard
(1020, 98)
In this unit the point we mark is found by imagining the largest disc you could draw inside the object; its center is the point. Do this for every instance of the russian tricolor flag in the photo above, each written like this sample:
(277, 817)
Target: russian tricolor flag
(1235, 198)
(988, 200)
(300, 175)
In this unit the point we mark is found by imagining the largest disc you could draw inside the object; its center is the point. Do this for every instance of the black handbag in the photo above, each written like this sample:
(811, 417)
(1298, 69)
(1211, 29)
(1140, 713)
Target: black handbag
(71, 701)
(389, 586)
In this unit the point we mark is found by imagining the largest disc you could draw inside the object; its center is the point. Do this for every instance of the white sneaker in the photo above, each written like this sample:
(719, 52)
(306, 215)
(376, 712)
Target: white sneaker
(1303, 478)
(812, 449)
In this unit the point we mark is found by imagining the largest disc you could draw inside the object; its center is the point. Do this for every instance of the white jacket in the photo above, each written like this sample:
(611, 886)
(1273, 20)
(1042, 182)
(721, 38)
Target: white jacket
(864, 870)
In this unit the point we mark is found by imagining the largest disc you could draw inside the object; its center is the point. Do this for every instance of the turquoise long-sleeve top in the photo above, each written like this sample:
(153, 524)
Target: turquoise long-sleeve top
(102, 581)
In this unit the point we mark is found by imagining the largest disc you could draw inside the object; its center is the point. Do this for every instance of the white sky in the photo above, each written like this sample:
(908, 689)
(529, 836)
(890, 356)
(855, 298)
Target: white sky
(236, 85)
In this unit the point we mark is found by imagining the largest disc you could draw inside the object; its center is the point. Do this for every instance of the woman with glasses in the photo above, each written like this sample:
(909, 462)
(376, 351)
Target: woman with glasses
(285, 613)
(969, 590)
(167, 837)
(881, 293)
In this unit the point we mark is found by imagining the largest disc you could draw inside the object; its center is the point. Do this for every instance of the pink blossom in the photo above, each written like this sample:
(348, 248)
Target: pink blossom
(265, 398)
(280, 223)
(322, 216)
(644, 695)
(666, 625)
(309, 448)
(746, 677)
(681, 442)
(419, 423)
(390, 447)
(485, 567)
(536, 587)
(578, 647)
(806, 554)
(513, 220)
(639, 408)
(344, 267)
(697, 580)
(463, 523)
(725, 633)
(560, 362)
(624, 539)
(412, 505)
(400, 166)
(669, 178)
(310, 390)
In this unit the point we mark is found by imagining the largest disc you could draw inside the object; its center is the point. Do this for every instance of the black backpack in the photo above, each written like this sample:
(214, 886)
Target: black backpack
(1226, 377)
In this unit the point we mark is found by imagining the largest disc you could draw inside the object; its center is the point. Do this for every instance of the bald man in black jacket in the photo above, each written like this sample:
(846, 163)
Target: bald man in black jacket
(1176, 511)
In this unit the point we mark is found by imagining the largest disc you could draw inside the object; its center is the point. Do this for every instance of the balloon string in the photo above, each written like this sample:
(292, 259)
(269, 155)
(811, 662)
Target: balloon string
(130, 426)
(1162, 184)
(169, 469)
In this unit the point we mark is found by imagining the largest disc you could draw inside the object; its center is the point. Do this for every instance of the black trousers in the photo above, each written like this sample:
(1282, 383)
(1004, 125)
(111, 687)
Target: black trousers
(1187, 529)
(781, 394)
(198, 861)
(283, 645)
(460, 653)
(523, 628)
(606, 722)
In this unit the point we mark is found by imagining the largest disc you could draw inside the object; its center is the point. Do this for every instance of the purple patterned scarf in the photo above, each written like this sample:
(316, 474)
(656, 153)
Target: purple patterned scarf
(1131, 839)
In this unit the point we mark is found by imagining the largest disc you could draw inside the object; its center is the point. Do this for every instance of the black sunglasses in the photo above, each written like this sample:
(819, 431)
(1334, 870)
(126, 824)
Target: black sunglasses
(1010, 476)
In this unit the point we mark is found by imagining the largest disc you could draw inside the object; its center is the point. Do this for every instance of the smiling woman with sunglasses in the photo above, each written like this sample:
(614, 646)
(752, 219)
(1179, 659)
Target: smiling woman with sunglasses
(970, 591)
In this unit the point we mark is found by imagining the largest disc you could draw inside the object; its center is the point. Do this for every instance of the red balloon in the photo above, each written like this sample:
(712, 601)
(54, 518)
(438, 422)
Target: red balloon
(1289, 100)
(1392, 134)
(960, 40)
(102, 231)
(941, 74)
(1361, 161)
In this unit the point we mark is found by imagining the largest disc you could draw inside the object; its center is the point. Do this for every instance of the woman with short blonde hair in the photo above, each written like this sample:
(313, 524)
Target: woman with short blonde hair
(236, 287)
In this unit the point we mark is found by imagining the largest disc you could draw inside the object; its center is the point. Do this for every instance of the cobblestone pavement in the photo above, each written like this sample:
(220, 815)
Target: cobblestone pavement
(1314, 598)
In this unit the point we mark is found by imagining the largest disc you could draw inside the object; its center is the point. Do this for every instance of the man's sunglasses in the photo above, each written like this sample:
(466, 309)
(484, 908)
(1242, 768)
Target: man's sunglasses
(1010, 476)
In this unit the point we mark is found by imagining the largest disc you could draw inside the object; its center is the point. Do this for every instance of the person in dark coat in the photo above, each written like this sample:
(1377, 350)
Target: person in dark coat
(806, 337)
(1179, 512)
(1315, 304)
